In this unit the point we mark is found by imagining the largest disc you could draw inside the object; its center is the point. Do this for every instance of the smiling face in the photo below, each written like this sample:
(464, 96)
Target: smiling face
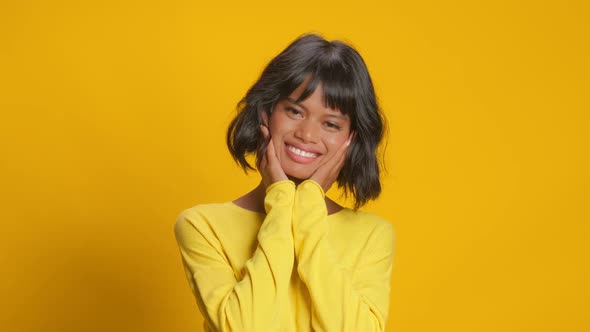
(307, 133)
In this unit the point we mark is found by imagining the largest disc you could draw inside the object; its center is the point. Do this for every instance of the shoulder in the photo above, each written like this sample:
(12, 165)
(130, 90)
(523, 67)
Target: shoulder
(373, 226)
(203, 211)
(197, 213)
(200, 218)
(210, 220)
(365, 219)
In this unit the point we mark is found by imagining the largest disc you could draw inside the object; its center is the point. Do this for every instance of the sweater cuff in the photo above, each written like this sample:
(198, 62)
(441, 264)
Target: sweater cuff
(312, 184)
(279, 184)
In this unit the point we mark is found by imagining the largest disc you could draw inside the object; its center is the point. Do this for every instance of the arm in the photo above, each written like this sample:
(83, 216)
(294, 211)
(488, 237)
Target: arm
(253, 303)
(341, 300)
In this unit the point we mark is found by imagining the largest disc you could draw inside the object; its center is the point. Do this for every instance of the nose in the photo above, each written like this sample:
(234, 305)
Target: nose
(307, 131)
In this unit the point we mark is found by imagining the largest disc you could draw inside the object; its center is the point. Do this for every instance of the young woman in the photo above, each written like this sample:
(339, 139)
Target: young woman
(284, 257)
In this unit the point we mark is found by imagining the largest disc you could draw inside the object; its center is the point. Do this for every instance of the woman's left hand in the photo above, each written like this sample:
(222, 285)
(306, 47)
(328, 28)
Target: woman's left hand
(328, 171)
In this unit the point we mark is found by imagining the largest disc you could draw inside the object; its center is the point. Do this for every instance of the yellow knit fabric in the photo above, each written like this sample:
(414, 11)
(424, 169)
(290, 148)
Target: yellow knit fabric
(294, 268)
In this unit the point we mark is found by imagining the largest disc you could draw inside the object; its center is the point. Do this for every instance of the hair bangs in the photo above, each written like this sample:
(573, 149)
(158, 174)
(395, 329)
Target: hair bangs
(338, 90)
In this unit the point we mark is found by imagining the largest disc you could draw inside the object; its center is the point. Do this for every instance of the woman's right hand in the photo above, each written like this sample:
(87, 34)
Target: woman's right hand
(270, 165)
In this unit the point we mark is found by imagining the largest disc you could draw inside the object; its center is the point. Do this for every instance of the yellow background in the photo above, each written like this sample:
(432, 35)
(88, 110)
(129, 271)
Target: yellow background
(113, 117)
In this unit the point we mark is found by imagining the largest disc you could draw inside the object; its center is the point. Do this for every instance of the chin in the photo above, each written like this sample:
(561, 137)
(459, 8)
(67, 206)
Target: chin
(299, 175)
(296, 180)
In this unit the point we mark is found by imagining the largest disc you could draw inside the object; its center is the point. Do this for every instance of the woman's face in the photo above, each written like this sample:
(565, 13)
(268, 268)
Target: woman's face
(307, 133)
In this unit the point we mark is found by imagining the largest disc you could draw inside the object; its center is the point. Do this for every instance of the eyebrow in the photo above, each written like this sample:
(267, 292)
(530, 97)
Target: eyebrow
(339, 115)
(293, 101)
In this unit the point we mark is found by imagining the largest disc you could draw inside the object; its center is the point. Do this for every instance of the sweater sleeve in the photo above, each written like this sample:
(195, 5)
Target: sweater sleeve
(254, 302)
(342, 300)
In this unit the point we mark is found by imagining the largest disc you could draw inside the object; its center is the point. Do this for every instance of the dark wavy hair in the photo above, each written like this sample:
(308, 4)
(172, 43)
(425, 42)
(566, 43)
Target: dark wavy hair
(347, 86)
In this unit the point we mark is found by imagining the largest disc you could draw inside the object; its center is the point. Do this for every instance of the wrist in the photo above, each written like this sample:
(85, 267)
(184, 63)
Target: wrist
(278, 184)
(310, 183)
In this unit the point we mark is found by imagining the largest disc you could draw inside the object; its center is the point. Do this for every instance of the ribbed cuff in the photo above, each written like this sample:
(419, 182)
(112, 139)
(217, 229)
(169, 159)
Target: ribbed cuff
(277, 184)
(313, 183)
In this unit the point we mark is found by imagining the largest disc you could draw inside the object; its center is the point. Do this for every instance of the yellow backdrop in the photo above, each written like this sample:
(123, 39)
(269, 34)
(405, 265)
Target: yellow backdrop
(113, 115)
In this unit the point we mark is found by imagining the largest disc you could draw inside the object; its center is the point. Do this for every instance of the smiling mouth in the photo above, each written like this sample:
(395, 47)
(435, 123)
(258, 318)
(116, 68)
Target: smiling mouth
(302, 153)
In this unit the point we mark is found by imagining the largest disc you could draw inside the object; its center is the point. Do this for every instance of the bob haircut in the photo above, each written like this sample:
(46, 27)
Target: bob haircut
(347, 87)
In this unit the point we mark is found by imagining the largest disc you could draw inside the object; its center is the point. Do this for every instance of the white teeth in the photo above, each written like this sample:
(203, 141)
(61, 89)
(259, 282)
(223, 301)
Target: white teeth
(301, 152)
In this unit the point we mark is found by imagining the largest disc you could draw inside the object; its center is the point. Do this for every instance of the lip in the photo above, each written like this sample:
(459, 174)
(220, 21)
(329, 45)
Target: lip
(300, 159)
(301, 147)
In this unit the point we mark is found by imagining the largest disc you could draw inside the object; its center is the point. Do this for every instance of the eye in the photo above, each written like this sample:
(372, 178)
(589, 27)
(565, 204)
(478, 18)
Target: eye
(333, 126)
(293, 112)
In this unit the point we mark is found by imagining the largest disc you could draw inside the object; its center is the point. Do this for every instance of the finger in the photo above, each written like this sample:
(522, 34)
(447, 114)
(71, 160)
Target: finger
(263, 148)
(270, 151)
(345, 148)
(261, 162)
(333, 160)
(340, 159)
(273, 151)
(266, 135)
(339, 162)
(331, 168)
(339, 156)
(265, 132)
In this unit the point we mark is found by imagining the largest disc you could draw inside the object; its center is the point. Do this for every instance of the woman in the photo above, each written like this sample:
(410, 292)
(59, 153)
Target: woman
(284, 257)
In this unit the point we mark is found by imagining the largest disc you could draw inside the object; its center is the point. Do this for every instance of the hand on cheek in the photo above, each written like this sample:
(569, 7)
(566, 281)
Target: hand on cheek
(328, 171)
(270, 166)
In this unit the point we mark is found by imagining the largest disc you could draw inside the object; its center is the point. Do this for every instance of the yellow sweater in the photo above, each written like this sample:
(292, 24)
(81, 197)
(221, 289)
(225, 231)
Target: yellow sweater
(294, 269)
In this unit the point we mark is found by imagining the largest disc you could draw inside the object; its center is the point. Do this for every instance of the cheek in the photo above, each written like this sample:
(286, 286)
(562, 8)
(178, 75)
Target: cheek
(278, 124)
(334, 142)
